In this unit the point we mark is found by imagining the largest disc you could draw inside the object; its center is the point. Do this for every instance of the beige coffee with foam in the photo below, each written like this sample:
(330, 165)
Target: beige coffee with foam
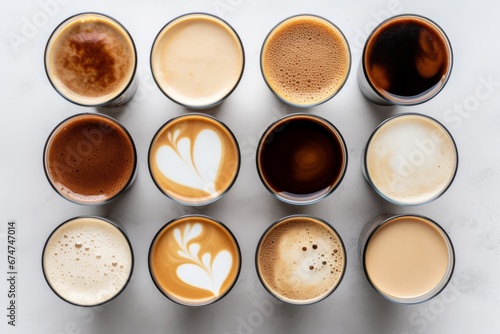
(411, 159)
(300, 259)
(194, 159)
(90, 59)
(194, 260)
(87, 261)
(305, 60)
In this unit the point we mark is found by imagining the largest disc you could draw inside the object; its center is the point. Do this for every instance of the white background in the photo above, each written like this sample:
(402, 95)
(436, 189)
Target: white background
(469, 211)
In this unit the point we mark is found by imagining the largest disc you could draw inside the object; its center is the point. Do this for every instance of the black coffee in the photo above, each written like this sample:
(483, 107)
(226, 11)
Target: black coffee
(301, 158)
(406, 56)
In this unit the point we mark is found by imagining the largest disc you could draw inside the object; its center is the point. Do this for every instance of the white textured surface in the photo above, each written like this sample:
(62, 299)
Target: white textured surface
(469, 211)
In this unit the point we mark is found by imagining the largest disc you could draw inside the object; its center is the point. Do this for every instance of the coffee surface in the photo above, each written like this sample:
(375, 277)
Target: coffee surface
(87, 261)
(411, 159)
(194, 159)
(407, 257)
(407, 57)
(90, 158)
(91, 59)
(301, 158)
(194, 260)
(305, 60)
(301, 259)
(197, 60)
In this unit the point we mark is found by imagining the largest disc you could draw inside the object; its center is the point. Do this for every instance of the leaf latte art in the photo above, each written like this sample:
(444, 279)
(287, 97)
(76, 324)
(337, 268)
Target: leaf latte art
(194, 159)
(194, 260)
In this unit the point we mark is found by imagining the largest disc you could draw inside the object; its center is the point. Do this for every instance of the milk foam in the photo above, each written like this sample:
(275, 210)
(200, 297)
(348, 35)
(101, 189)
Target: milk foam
(411, 159)
(87, 261)
(197, 60)
(301, 260)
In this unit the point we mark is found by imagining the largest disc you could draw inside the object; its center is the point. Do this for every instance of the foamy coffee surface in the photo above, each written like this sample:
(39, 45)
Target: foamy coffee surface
(194, 159)
(90, 159)
(305, 60)
(194, 260)
(90, 59)
(301, 260)
(87, 261)
(411, 159)
(197, 60)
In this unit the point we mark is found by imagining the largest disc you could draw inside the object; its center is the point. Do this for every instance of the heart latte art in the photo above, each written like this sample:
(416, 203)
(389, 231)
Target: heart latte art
(194, 260)
(194, 159)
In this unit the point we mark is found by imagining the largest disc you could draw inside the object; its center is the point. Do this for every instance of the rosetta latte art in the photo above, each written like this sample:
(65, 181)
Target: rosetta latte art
(193, 164)
(201, 271)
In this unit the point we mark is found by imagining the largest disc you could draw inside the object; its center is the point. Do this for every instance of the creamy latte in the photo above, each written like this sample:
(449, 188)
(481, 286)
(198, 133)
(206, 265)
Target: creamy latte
(194, 159)
(194, 260)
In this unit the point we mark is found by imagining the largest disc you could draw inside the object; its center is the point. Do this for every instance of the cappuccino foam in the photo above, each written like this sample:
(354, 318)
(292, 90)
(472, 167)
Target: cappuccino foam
(305, 60)
(87, 261)
(411, 159)
(90, 59)
(301, 260)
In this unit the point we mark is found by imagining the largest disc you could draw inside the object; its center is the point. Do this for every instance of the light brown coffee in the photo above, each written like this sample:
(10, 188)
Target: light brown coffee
(305, 60)
(90, 59)
(194, 159)
(194, 260)
(300, 259)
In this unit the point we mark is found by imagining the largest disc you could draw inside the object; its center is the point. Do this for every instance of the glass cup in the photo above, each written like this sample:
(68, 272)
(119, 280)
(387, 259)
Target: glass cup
(301, 158)
(194, 260)
(406, 60)
(407, 259)
(90, 159)
(91, 60)
(305, 60)
(197, 60)
(410, 159)
(88, 261)
(194, 159)
(300, 259)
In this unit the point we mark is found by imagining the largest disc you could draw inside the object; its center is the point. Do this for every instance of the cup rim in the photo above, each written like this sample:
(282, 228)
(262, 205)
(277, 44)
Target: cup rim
(425, 96)
(193, 216)
(231, 134)
(283, 220)
(430, 294)
(334, 27)
(105, 220)
(115, 122)
(210, 16)
(47, 51)
(324, 122)
(365, 164)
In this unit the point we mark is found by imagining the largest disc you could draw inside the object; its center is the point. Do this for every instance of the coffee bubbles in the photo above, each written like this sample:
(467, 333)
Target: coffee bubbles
(87, 261)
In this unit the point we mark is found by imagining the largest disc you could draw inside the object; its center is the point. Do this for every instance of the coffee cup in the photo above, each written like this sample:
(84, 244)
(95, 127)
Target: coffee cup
(406, 60)
(305, 60)
(197, 60)
(194, 159)
(410, 159)
(91, 60)
(194, 260)
(300, 259)
(301, 158)
(90, 159)
(87, 261)
(407, 258)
